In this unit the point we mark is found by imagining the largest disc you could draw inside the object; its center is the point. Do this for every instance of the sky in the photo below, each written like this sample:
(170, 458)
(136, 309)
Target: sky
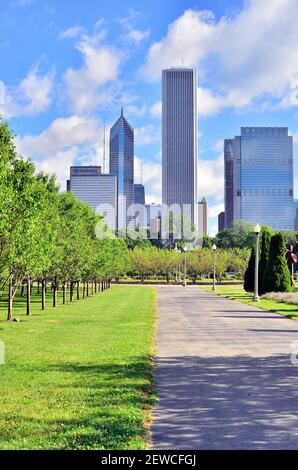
(68, 66)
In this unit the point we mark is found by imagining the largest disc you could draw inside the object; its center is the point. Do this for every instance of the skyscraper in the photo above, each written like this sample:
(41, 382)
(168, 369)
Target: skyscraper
(229, 183)
(122, 166)
(262, 169)
(203, 217)
(221, 221)
(179, 140)
(89, 185)
(139, 194)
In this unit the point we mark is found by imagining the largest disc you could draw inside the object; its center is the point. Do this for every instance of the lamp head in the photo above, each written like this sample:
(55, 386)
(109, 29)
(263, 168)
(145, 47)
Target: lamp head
(257, 229)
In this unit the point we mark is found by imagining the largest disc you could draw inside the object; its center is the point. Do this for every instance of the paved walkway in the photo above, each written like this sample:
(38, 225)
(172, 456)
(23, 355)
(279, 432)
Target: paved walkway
(223, 374)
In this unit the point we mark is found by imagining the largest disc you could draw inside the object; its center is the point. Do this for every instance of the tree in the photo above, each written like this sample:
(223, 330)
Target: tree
(264, 255)
(277, 276)
(249, 276)
(240, 236)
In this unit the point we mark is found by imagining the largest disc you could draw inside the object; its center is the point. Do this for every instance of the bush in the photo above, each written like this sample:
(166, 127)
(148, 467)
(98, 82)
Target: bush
(249, 276)
(277, 276)
(264, 256)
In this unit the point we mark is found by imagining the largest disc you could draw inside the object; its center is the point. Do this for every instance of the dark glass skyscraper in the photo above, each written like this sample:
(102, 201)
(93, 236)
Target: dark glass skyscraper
(229, 183)
(122, 165)
(179, 140)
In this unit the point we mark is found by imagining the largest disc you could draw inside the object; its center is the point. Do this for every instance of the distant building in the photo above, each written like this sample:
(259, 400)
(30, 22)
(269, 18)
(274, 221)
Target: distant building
(122, 166)
(203, 217)
(221, 221)
(68, 185)
(139, 194)
(89, 185)
(229, 183)
(179, 141)
(154, 214)
(259, 174)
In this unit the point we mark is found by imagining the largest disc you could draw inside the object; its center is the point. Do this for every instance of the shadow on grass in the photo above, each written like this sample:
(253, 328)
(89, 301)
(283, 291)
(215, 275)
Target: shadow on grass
(105, 407)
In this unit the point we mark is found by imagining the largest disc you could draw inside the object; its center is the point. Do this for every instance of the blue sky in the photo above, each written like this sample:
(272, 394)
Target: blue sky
(68, 65)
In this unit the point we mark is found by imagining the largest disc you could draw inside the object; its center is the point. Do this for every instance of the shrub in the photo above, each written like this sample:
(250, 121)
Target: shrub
(277, 276)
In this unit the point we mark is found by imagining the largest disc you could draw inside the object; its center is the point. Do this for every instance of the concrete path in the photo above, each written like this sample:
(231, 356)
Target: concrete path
(224, 375)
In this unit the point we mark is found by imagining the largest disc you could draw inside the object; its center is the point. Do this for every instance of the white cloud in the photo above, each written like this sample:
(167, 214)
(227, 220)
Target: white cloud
(260, 63)
(31, 97)
(146, 135)
(100, 66)
(71, 32)
(216, 209)
(60, 135)
(151, 178)
(211, 178)
(156, 109)
(138, 36)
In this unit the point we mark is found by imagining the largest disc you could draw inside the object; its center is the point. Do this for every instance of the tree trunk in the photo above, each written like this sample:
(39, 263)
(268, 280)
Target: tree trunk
(43, 294)
(38, 288)
(28, 312)
(10, 300)
(92, 287)
(87, 289)
(22, 291)
(84, 290)
(71, 292)
(55, 294)
(78, 290)
(95, 286)
(64, 292)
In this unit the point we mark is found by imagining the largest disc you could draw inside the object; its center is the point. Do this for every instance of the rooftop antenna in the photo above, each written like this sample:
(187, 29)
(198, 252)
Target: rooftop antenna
(104, 146)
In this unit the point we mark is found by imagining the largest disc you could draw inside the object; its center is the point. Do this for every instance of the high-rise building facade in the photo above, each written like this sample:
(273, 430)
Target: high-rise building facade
(221, 221)
(203, 217)
(229, 183)
(122, 166)
(180, 140)
(139, 194)
(98, 190)
(262, 171)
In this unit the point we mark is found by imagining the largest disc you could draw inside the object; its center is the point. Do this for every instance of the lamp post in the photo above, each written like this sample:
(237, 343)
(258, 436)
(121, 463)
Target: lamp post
(178, 266)
(184, 280)
(214, 247)
(257, 230)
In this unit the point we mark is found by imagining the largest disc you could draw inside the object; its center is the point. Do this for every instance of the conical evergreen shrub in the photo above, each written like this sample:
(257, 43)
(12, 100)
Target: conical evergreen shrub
(264, 255)
(249, 276)
(277, 276)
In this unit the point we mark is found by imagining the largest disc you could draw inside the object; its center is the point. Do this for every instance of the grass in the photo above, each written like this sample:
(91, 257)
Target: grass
(238, 293)
(79, 376)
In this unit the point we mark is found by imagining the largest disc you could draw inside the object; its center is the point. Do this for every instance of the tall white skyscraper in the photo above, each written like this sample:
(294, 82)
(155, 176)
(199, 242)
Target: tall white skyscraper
(180, 140)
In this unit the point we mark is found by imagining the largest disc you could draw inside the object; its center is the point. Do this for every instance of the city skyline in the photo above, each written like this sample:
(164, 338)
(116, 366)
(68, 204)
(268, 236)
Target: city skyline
(81, 63)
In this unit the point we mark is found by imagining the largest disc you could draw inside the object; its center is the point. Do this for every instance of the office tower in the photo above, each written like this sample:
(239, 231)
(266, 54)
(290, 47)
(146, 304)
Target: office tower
(229, 185)
(203, 217)
(263, 177)
(122, 166)
(139, 194)
(89, 185)
(179, 140)
(221, 221)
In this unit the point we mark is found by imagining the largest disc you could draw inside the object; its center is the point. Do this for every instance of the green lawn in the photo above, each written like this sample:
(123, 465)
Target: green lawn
(238, 293)
(79, 376)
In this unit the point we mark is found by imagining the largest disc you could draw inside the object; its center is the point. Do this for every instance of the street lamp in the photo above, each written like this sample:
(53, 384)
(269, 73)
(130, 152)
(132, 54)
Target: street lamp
(214, 247)
(257, 230)
(184, 280)
(178, 267)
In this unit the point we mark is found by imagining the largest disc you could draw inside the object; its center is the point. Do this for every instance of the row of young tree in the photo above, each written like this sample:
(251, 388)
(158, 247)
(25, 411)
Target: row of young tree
(48, 237)
(151, 262)
(274, 274)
